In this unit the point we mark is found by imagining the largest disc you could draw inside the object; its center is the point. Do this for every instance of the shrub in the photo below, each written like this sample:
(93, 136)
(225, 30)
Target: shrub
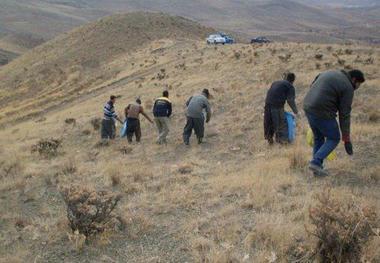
(374, 116)
(96, 123)
(89, 211)
(237, 55)
(342, 228)
(318, 56)
(47, 148)
(297, 159)
(71, 121)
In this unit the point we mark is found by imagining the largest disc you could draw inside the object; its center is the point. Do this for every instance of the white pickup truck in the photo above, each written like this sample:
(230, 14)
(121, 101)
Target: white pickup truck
(216, 39)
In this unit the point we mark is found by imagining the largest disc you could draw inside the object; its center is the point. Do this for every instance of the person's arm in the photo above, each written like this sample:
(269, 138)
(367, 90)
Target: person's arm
(169, 109)
(208, 110)
(188, 101)
(145, 115)
(344, 107)
(114, 115)
(291, 99)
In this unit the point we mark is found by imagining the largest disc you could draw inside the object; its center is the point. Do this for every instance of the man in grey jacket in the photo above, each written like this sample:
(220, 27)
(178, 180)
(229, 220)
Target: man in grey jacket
(196, 105)
(331, 92)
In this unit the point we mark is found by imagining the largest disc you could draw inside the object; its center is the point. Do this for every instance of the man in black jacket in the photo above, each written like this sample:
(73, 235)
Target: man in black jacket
(274, 117)
(331, 92)
(162, 111)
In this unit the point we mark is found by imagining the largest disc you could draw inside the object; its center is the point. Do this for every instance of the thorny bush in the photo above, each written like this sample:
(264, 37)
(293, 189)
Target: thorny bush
(89, 211)
(47, 148)
(342, 228)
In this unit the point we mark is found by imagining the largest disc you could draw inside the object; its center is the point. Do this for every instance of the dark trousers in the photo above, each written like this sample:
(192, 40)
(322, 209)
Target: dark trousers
(133, 129)
(326, 137)
(108, 130)
(198, 124)
(275, 124)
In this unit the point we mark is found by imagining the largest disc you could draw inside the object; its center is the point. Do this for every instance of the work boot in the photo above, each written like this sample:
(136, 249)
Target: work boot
(318, 170)
(200, 140)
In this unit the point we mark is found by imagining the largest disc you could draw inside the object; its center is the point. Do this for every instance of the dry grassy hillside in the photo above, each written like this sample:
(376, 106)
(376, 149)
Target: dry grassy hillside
(231, 199)
(80, 61)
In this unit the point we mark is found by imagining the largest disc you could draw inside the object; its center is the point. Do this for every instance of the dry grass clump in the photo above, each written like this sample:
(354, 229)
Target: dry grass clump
(10, 166)
(275, 240)
(136, 224)
(47, 147)
(285, 58)
(69, 167)
(89, 211)
(185, 169)
(96, 123)
(297, 159)
(374, 116)
(71, 121)
(342, 228)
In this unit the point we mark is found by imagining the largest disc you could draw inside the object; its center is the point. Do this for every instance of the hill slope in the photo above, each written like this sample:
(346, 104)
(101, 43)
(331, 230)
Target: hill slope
(231, 199)
(80, 60)
(287, 20)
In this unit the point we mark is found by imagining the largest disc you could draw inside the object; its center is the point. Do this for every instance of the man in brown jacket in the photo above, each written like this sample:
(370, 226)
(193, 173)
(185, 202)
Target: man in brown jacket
(132, 113)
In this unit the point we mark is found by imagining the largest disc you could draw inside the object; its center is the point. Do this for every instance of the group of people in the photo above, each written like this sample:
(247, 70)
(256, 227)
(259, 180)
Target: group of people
(198, 111)
(331, 94)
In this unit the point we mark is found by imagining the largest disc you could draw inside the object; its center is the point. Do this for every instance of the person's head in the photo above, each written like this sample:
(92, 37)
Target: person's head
(138, 101)
(165, 94)
(290, 76)
(357, 77)
(206, 93)
(113, 98)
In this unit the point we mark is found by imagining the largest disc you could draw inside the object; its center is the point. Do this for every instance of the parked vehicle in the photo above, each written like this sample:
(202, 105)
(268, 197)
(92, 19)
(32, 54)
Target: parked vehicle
(260, 40)
(216, 39)
(229, 39)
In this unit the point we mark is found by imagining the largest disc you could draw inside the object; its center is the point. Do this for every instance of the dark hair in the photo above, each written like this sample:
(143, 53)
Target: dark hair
(165, 93)
(357, 75)
(112, 97)
(289, 76)
(138, 100)
(206, 92)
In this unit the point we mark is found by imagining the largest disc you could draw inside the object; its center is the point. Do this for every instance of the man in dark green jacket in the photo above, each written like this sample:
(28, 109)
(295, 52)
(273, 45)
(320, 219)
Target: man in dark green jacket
(331, 92)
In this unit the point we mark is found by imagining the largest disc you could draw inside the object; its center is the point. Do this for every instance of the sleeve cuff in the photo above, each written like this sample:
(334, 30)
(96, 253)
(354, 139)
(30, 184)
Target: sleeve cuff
(346, 138)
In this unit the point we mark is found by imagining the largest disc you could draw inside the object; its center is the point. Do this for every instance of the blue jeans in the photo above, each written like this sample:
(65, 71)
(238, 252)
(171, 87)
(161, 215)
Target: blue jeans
(326, 137)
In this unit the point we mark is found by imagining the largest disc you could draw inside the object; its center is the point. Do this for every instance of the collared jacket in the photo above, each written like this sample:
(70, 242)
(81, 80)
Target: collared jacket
(280, 92)
(162, 107)
(196, 105)
(331, 92)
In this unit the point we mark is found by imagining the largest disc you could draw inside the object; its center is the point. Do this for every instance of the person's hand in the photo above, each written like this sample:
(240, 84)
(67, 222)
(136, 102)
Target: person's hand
(349, 148)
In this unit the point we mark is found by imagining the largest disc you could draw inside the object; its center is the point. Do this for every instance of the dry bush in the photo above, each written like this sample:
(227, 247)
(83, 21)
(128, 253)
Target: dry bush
(126, 150)
(297, 159)
(71, 121)
(185, 169)
(342, 228)
(341, 62)
(89, 211)
(11, 166)
(47, 147)
(102, 143)
(374, 116)
(348, 51)
(285, 58)
(69, 167)
(96, 123)
(237, 55)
